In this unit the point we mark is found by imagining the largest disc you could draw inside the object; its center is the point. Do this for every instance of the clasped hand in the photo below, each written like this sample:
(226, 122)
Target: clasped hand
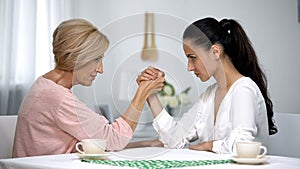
(152, 78)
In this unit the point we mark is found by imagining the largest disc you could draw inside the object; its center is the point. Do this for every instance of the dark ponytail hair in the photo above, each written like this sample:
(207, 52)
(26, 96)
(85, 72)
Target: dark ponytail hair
(237, 46)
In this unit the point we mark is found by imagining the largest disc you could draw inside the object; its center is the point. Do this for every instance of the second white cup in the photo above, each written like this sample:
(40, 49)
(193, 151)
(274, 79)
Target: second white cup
(91, 146)
(250, 150)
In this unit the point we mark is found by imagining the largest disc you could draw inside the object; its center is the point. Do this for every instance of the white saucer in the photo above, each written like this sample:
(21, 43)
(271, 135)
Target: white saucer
(93, 156)
(250, 160)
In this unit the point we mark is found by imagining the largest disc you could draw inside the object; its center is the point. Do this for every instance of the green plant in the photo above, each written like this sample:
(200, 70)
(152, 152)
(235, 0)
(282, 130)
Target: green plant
(169, 99)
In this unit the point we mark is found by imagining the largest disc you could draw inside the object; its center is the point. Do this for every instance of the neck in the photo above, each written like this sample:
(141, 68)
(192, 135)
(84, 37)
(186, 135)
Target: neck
(60, 77)
(226, 75)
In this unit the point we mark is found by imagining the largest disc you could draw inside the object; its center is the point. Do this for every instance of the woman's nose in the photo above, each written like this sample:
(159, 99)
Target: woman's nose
(100, 68)
(190, 67)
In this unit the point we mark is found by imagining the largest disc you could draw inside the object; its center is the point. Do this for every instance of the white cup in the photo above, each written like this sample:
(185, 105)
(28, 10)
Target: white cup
(250, 150)
(91, 146)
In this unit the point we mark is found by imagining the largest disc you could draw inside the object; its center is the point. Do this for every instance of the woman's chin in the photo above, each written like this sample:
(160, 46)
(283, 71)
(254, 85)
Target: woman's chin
(203, 79)
(87, 83)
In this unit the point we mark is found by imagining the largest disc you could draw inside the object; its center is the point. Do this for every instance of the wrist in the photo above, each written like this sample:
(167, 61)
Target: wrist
(209, 145)
(139, 99)
(151, 96)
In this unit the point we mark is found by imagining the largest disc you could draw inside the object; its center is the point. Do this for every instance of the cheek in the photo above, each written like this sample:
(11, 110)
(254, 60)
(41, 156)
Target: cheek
(204, 74)
(81, 75)
(90, 70)
(200, 66)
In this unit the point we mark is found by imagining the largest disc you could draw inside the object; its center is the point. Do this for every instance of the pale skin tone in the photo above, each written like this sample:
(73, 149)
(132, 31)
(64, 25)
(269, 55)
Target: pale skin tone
(87, 74)
(205, 64)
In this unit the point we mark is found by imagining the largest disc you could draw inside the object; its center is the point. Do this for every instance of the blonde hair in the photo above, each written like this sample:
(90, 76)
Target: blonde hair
(76, 42)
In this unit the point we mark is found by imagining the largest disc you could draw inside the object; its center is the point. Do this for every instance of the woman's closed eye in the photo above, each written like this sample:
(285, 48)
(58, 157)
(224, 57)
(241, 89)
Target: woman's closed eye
(97, 59)
(192, 57)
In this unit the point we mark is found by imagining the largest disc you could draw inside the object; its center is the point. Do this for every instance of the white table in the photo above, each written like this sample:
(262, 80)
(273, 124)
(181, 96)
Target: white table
(71, 161)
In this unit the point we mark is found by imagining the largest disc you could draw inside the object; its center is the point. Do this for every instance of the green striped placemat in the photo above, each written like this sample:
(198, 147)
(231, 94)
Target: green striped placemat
(157, 164)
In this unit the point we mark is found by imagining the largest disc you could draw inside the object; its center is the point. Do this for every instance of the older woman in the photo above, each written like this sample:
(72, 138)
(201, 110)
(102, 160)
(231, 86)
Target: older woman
(51, 119)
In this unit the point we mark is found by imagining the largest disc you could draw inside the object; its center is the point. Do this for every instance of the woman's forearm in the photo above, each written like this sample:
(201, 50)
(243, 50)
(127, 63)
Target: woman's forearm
(154, 104)
(133, 112)
(145, 143)
(145, 89)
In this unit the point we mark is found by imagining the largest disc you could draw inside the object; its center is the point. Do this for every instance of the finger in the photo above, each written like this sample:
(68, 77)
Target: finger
(161, 80)
(159, 84)
(159, 88)
(161, 74)
(151, 72)
(149, 76)
(154, 70)
(142, 78)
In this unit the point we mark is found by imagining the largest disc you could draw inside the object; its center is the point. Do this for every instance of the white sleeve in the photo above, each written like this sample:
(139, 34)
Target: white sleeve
(244, 109)
(176, 134)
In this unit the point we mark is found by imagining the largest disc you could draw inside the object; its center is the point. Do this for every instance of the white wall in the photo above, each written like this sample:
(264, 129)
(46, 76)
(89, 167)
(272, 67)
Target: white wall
(272, 26)
(286, 141)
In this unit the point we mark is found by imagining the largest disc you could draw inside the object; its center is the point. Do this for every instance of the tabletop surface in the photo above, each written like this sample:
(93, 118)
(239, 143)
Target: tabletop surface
(67, 161)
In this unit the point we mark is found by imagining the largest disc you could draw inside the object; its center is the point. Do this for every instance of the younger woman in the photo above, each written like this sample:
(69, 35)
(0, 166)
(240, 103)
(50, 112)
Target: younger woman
(236, 108)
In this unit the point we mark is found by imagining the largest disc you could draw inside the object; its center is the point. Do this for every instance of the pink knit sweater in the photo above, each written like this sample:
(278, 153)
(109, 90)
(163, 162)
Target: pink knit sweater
(52, 120)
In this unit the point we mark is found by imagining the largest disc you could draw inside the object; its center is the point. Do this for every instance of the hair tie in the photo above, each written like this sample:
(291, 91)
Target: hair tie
(225, 23)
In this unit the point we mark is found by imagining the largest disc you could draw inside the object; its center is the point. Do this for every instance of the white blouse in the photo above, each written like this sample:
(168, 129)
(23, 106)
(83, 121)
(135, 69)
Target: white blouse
(242, 116)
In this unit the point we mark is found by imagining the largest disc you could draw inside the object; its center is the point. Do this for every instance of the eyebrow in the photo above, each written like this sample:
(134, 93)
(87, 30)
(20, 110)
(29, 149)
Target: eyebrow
(191, 55)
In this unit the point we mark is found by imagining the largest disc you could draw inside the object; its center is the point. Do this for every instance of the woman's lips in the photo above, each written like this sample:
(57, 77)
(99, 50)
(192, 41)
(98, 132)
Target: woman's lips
(93, 77)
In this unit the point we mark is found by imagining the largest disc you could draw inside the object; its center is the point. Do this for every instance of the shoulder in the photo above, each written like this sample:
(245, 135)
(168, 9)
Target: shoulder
(46, 90)
(51, 87)
(245, 82)
(245, 86)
